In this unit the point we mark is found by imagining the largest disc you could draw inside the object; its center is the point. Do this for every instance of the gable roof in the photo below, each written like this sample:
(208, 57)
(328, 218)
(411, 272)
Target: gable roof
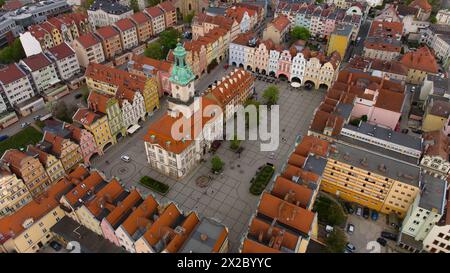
(421, 59)
(88, 40)
(36, 62)
(11, 73)
(61, 51)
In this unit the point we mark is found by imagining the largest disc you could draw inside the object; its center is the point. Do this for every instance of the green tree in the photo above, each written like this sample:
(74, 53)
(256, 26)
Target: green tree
(152, 3)
(336, 241)
(216, 163)
(88, 3)
(2, 2)
(364, 118)
(433, 19)
(134, 5)
(271, 95)
(329, 212)
(154, 51)
(169, 38)
(300, 33)
(188, 18)
(12, 53)
(235, 143)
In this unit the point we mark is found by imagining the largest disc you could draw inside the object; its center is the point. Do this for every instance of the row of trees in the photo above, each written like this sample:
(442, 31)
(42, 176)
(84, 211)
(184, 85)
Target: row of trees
(160, 48)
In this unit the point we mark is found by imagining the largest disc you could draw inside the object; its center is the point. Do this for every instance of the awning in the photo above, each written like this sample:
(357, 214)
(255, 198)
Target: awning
(295, 84)
(133, 128)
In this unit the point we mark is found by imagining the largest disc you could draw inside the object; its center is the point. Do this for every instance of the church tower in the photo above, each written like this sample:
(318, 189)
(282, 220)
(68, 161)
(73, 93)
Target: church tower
(182, 83)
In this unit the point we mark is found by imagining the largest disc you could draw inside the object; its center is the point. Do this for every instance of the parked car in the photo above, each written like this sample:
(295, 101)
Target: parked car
(329, 228)
(3, 137)
(350, 247)
(359, 211)
(350, 228)
(55, 245)
(374, 215)
(24, 124)
(349, 207)
(382, 241)
(37, 117)
(389, 235)
(125, 158)
(366, 212)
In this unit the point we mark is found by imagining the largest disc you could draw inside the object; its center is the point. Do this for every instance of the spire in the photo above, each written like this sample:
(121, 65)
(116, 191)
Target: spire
(181, 72)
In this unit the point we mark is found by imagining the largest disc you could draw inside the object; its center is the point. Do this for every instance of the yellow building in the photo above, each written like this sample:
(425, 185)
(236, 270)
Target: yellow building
(436, 116)
(99, 78)
(28, 229)
(97, 124)
(67, 151)
(339, 40)
(371, 180)
(52, 165)
(13, 194)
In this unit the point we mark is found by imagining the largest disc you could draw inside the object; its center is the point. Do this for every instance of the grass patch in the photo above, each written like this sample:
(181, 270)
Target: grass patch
(262, 178)
(154, 185)
(26, 136)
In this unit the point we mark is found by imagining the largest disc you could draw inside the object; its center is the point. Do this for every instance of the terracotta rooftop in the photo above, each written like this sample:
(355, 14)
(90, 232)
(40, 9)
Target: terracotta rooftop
(88, 40)
(162, 225)
(98, 102)
(117, 216)
(423, 4)
(62, 51)
(238, 13)
(36, 62)
(105, 200)
(141, 61)
(389, 100)
(167, 6)
(421, 59)
(15, 158)
(107, 32)
(56, 141)
(140, 18)
(178, 240)
(124, 24)
(87, 184)
(244, 38)
(280, 23)
(305, 176)
(386, 29)
(438, 144)
(297, 218)
(85, 116)
(299, 195)
(10, 73)
(141, 217)
(154, 11)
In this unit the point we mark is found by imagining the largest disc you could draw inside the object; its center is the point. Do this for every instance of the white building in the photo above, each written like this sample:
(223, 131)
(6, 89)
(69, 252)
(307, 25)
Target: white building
(13, 193)
(237, 53)
(157, 17)
(30, 44)
(298, 67)
(274, 56)
(15, 87)
(435, 157)
(443, 17)
(426, 210)
(42, 71)
(132, 106)
(104, 13)
(88, 49)
(437, 37)
(65, 60)
(128, 33)
(438, 239)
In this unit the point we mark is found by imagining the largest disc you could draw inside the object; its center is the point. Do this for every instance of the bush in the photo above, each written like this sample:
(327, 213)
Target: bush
(336, 241)
(261, 180)
(217, 164)
(155, 185)
(329, 212)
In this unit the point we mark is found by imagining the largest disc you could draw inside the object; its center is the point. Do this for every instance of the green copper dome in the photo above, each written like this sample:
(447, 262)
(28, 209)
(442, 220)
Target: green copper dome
(181, 72)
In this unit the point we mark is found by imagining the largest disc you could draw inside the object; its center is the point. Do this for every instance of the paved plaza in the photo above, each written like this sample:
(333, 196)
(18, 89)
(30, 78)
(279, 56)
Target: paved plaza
(225, 197)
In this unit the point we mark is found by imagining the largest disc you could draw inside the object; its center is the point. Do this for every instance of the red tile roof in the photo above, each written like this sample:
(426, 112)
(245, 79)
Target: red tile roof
(423, 4)
(124, 24)
(62, 51)
(140, 18)
(36, 62)
(421, 59)
(10, 73)
(107, 32)
(167, 6)
(88, 40)
(154, 12)
(281, 22)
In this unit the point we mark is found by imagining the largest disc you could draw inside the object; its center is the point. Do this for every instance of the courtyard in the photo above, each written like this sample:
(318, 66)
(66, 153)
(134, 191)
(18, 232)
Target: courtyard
(226, 196)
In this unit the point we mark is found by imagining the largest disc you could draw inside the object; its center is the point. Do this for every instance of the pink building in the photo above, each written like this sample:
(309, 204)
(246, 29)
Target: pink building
(118, 215)
(284, 64)
(329, 26)
(261, 58)
(85, 140)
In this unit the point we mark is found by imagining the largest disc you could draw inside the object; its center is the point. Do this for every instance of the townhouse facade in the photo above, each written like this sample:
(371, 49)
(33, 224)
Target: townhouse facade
(29, 169)
(42, 71)
(64, 149)
(88, 49)
(86, 141)
(111, 42)
(157, 18)
(435, 160)
(277, 30)
(14, 194)
(15, 87)
(65, 60)
(51, 164)
(143, 26)
(128, 33)
(170, 13)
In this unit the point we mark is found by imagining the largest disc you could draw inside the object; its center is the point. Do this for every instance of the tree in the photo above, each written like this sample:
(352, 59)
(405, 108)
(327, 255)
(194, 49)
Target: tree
(154, 51)
(271, 95)
(235, 143)
(169, 39)
(88, 3)
(364, 118)
(62, 112)
(188, 18)
(152, 3)
(433, 20)
(217, 164)
(2, 2)
(134, 5)
(329, 212)
(12, 53)
(300, 33)
(336, 241)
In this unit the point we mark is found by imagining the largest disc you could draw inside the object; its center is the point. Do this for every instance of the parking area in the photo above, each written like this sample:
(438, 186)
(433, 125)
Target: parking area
(226, 196)
(367, 231)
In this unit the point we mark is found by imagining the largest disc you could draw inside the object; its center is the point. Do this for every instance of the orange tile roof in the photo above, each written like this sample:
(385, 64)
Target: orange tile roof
(237, 13)
(162, 129)
(189, 224)
(314, 145)
(55, 140)
(62, 51)
(421, 59)
(124, 24)
(386, 29)
(98, 102)
(83, 187)
(250, 246)
(42, 155)
(286, 213)
(306, 176)
(107, 32)
(292, 192)
(389, 100)
(139, 218)
(439, 144)
(105, 198)
(167, 6)
(15, 158)
(123, 207)
(85, 116)
(161, 65)
(140, 18)
(280, 23)
(162, 224)
(297, 160)
(154, 11)
(88, 40)
(12, 225)
(423, 4)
